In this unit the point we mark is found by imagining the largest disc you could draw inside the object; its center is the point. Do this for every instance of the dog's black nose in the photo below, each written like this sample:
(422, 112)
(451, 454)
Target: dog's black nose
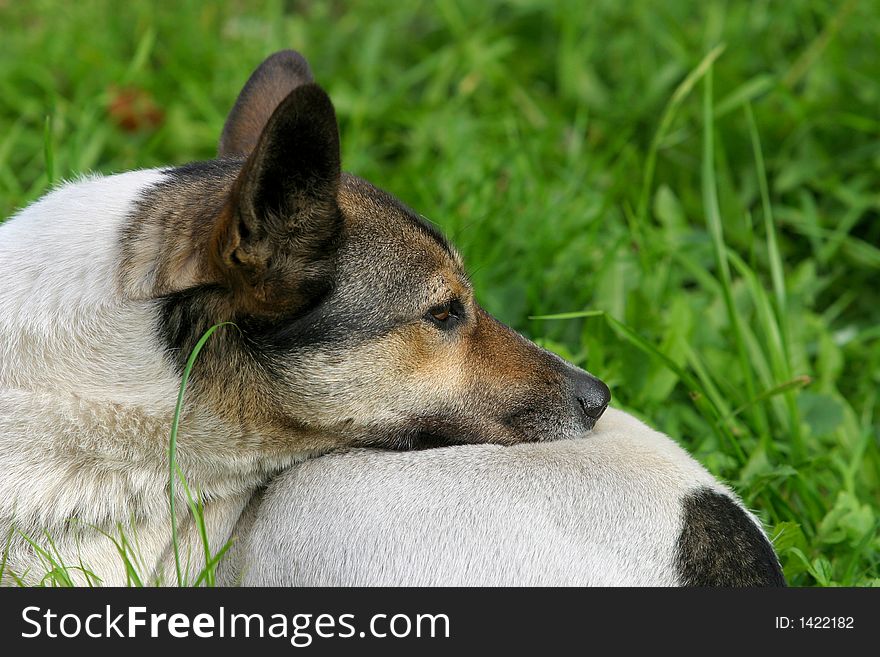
(592, 395)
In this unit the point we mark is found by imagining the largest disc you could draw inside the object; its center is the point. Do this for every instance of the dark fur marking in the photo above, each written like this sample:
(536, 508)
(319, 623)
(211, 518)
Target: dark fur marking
(719, 545)
(182, 319)
(316, 328)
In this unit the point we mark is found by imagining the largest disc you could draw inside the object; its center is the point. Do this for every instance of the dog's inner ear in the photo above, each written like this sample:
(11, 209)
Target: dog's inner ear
(264, 91)
(275, 241)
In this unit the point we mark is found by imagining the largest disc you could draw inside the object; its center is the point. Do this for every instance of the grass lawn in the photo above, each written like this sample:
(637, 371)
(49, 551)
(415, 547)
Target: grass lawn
(697, 185)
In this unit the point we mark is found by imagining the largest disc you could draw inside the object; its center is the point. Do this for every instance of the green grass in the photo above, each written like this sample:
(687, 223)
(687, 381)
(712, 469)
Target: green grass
(696, 183)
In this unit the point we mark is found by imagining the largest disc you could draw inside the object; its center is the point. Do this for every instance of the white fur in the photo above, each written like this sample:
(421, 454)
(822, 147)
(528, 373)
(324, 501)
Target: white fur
(65, 327)
(604, 509)
(87, 395)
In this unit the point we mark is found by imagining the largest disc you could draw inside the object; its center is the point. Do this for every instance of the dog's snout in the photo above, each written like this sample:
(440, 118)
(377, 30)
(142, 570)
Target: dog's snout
(592, 396)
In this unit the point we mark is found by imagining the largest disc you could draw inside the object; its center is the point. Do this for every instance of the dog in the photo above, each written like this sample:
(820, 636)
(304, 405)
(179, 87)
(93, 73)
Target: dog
(347, 321)
(624, 506)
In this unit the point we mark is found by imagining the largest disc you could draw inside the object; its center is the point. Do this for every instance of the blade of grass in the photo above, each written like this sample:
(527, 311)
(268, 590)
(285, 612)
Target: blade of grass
(197, 509)
(681, 92)
(92, 580)
(131, 573)
(19, 581)
(172, 440)
(713, 222)
(850, 568)
(54, 570)
(66, 575)
(209, 570)
(774, 345)
(698, 393)
(141, 54)
(794, 384)
(6, 547)
(856, 249)
(812, 53)
(578, 314)
(744, 94)
(700, 368)
(776, 270)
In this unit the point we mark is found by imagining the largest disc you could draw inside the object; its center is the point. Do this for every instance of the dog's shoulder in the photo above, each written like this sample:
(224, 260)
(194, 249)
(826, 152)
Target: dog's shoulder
(624, 505)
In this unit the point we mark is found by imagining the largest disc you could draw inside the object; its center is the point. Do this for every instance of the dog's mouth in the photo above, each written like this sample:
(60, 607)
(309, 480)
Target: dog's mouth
(543, 423)
(433, 432)
(523, 423)
(426, 433)
(589, 425)
(430, 439)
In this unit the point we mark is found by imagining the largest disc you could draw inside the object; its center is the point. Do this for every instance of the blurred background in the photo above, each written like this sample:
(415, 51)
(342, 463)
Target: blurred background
(695, 185)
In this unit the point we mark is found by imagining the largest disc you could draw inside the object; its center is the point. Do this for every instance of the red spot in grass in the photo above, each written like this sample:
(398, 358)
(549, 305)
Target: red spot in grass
(134, 109)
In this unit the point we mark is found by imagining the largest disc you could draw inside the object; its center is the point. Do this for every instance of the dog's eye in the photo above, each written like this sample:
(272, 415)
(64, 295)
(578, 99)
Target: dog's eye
(444, 315)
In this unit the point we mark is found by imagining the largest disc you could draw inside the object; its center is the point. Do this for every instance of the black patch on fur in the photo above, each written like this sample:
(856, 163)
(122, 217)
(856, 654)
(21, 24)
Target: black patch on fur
(184, 317)
(719, 545)
(182, 321)
(272, 338)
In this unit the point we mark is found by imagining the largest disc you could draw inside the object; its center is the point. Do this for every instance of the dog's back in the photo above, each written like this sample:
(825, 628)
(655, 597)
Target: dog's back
(622, 506)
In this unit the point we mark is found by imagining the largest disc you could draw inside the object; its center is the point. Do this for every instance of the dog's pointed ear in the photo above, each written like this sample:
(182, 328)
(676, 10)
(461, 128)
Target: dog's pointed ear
(268, 86)
(275, 241)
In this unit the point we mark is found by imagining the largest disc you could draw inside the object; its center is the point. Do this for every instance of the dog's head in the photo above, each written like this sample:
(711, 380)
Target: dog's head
(355, 318)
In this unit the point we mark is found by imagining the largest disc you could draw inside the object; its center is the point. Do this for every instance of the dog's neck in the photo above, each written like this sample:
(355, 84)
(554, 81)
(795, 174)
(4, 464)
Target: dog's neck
(87, 394)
